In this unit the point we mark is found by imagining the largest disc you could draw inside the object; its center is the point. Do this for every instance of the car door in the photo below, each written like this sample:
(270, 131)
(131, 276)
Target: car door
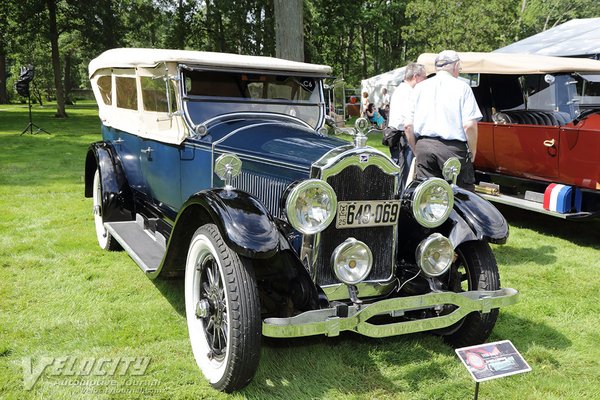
(526, 150)
(580, 153)
(161, 134)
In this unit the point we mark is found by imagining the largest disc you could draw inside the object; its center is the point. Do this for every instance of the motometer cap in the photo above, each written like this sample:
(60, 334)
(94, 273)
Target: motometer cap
(446, 57)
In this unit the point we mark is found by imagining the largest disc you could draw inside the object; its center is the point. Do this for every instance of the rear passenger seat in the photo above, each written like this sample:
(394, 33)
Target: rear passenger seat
(532, 117)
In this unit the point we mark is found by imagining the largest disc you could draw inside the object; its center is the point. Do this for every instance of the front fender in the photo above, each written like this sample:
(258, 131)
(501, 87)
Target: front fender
(245, 224)
(117, 199)
(479, 216)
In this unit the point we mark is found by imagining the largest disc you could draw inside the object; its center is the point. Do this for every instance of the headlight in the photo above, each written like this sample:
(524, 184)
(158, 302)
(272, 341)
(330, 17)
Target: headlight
(311, 206)
(432, 202)
(434, 255)
(352, 261)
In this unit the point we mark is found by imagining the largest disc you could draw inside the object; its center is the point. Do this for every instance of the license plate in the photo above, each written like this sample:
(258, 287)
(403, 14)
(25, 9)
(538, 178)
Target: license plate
(354, 214)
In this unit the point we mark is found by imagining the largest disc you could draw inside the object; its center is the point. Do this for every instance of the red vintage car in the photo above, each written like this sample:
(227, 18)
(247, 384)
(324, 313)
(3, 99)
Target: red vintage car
(539, 139)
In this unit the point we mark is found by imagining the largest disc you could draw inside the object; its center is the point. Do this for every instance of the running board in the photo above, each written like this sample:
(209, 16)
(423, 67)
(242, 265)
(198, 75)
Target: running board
(145, 247)
(533, 206)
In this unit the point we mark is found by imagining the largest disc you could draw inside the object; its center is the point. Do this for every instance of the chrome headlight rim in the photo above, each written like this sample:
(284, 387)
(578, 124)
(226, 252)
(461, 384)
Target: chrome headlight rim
(417, 200)
(292, 198)
(352, 245)
(422, 251)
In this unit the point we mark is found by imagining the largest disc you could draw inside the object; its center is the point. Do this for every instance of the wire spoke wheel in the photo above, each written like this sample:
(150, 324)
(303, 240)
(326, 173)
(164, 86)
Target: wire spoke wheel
(222, 311)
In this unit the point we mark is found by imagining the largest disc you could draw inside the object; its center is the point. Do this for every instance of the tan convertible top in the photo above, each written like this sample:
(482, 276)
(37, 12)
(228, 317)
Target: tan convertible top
(512, 64)
(138, 57)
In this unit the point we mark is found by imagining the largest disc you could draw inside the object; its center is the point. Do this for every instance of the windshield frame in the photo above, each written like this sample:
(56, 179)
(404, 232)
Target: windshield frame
(310, 111)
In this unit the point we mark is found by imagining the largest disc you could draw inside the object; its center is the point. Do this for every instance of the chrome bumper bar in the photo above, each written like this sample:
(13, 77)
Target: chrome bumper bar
(331, 321)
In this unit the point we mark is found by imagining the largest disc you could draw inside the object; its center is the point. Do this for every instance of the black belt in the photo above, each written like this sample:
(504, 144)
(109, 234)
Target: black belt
(439, 139)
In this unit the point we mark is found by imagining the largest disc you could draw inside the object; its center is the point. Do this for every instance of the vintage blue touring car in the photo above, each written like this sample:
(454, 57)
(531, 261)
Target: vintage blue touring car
(217, 167)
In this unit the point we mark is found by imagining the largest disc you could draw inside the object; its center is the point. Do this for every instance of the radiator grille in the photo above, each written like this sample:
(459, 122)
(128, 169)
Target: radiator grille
(265, 188)
(355, 184)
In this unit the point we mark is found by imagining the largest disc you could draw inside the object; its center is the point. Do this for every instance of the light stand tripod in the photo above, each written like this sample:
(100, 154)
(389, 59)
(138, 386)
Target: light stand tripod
(30, 125)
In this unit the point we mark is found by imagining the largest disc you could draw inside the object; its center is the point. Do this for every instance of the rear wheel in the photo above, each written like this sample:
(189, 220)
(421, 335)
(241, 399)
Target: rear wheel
(105, 239)
(474, 269)
(222, 310)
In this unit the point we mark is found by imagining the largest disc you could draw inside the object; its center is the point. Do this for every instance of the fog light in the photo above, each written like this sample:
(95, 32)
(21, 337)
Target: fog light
(352, 261)
(435, 254)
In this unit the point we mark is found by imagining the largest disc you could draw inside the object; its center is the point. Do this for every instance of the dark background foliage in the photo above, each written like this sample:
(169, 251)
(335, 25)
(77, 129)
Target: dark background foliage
(358, 38)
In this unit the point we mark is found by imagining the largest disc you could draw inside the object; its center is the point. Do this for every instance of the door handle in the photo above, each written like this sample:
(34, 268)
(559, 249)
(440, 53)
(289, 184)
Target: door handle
(119, 141)
(549, 143)
(148, 151)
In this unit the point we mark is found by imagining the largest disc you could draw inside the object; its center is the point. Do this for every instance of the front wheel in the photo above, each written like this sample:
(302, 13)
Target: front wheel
(222, 310)
(474, 269)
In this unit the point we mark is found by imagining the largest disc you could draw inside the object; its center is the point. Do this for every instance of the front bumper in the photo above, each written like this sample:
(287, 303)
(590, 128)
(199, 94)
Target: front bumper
(331, 321)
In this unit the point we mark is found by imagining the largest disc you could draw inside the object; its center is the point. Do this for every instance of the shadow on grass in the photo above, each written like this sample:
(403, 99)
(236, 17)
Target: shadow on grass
(332, 364)
(582, 233)
(509, 255)
(173, 291)
(525, 333)
(81, 117)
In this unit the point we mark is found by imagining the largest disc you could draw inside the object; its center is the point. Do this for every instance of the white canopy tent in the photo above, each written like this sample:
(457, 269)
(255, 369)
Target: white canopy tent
(575, 38)
(389, 80)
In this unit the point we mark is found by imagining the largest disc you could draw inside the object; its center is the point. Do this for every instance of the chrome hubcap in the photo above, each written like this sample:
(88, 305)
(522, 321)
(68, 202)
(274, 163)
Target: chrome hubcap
(202, 308)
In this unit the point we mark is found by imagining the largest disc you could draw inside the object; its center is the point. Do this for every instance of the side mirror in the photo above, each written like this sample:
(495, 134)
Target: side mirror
(227, 167)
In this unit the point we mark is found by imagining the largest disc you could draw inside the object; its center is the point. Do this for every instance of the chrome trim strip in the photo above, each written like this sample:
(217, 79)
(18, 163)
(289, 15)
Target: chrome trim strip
(327, 322)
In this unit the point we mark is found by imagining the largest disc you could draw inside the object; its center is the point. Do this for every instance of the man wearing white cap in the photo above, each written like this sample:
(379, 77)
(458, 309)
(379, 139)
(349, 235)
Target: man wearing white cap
(443, 122)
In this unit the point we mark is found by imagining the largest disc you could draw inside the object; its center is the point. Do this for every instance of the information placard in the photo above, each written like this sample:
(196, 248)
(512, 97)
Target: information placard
(492, 360)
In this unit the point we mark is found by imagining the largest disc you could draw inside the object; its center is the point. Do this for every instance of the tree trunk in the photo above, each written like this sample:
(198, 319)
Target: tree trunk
(60, 97)
(68, 79)
(180, 29)
(289, 29)
(3, 92)
(363, 46)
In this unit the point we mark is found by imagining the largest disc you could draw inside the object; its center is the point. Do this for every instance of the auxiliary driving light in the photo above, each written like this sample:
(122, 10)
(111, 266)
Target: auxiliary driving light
(435, 254)
(352, 261)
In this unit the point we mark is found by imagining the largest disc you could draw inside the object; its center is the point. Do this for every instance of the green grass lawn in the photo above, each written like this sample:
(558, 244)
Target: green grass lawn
(61, 296)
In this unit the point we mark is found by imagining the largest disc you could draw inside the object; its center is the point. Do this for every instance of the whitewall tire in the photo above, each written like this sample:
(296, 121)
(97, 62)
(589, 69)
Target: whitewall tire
(105, 240)
(222, 311)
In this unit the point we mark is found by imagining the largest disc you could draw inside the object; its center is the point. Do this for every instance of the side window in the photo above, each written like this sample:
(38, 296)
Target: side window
(126, 92)
(105, 87)
(154, 95)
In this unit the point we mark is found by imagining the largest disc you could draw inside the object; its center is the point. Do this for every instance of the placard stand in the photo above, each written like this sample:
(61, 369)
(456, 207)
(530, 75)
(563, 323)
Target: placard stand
(30, 126)
(491, 361)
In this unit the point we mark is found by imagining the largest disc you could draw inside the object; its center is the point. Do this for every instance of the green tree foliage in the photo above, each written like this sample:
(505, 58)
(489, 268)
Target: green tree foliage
(438, 25)
(358, 38)
(539, 15)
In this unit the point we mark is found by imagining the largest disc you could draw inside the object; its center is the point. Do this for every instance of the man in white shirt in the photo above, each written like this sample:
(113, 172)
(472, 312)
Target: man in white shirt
(443, 122)
(399, 111)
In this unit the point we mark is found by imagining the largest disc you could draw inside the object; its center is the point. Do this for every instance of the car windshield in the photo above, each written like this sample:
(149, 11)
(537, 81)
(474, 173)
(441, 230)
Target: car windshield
(212, 93)
(588, 89)
(549, 93)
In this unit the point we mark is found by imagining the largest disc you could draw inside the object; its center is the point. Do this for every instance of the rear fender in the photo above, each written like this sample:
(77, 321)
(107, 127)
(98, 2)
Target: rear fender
(117, 198)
